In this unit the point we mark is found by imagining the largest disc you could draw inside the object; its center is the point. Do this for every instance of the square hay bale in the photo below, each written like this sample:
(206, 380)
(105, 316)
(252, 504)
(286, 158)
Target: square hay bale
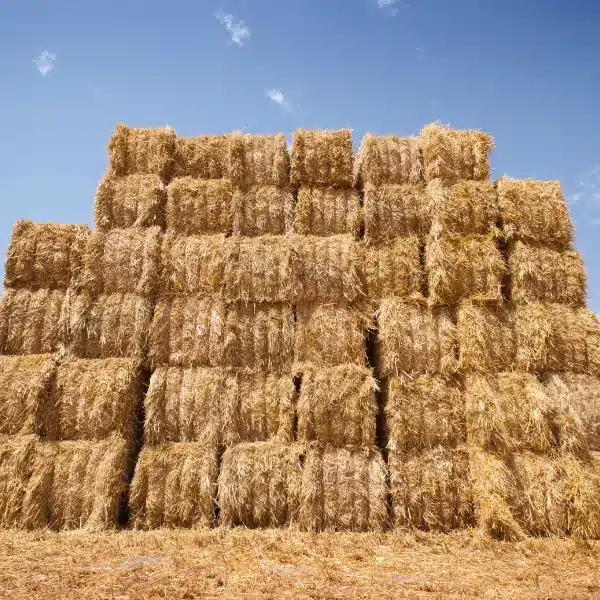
(263, 210)
(395, 210)
(141, 151)
(424, 412)
(259, 484)
(344, 489)
(453, 154)
(111, 326)
(218, 406)
(461, 268)
(322, 158)
(174, 485)
(431, 490)
(388, 160)
(30, 321)
(415, 340)
(535, 212)
(337, 406)
(258, 160)
(328, 335)
(76, 485)
(509, 412)
(45, 255)
(199, 206)
(122, 261)
(486, 337)
(131, 201)
(328, 211)
(201, 157)
(394, 269)
(463, 208)
(543, 274)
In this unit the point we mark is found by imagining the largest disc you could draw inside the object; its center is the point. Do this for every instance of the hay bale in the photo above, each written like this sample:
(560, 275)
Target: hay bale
(544, 274)
(344, 489)
(30, 321)
(535, 212)
(201, 157)
(486, 337)
(395, 210)
(112, 326)
(141, 151)
(394, 269)
(453, 154)
(131, 201)
(328, 211)
(464, 208)
(337, 406)
(415, 340)
(122, 261)
(190, 332)
(461, 268)
(388, 160)
(174, 485)
(328, 335)
(258, 160)
(423, 412)
(263, 210)
(259, 484)
(45, 255)
(199, 206)
(431, 490)
(322, 158)
(217, 406)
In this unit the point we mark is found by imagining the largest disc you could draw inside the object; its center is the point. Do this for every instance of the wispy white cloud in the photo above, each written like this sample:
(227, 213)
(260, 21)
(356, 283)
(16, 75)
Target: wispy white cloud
(45, 62)
(279, 98)
(586, 193)
(238, 30)
(390, 6)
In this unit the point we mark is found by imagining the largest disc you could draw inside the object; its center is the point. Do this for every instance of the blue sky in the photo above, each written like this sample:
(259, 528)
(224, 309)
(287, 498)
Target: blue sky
(524, 70)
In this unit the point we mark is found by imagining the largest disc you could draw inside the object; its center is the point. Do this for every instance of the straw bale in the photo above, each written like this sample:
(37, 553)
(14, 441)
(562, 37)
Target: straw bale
(76, 485)
(328, 335)
(328, 211)
(542, 274)
(431, 490)
(122, 261)
(535, 211)
(174, 485)
(464, 208)
(453, 154)
(423, 412)
(509, 412)
(217, 406)
(201, 157)
(344, 489)
(486, 337)
(190, 332)
(258, 160)
(131, 201)
(263, 210)
(138, 151)
(395, 210)
(30, 321)
(554, 337)
(415, 340)
(388, 159)
(45, 255)
(322, 158)
(259, 484)
(199, 206)
(111, 326)
(337, 406)
(394, 269)
(463, 267)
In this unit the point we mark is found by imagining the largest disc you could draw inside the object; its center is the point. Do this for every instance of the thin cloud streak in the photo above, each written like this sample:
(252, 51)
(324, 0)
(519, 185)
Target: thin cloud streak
(277, 96)
(45, 62)
(238, 31)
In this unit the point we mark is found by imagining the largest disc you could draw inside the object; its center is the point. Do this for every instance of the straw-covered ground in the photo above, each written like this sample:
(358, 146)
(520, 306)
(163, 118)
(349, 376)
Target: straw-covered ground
(288, 564)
